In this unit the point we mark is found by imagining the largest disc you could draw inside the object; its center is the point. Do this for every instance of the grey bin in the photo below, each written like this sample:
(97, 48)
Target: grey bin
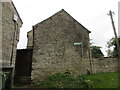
(5, 76)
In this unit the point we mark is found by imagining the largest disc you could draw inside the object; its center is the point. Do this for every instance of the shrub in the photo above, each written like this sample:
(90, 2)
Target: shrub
(65, 80)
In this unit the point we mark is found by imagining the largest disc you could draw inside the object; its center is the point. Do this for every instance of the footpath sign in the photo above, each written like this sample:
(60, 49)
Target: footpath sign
(78, 43)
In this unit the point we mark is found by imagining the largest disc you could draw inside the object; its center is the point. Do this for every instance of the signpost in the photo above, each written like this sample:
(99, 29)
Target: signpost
(80, 44)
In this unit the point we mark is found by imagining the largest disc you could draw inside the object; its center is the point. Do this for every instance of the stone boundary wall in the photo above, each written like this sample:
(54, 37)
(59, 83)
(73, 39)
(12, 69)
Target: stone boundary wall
(79, 67)
(73, 67)
(100, 65)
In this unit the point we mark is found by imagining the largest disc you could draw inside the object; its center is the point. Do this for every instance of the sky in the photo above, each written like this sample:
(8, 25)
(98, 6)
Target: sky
(90, 13)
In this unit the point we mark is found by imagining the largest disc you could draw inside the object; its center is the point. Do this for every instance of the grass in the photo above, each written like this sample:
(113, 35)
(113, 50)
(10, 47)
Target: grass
(104, 80)
(63, 80)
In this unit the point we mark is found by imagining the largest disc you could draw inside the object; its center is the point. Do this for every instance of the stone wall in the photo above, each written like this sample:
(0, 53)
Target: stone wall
(78, 67)
(30, 39)
(10, 32)
(53, 46)
(74, 67)
(104, 65)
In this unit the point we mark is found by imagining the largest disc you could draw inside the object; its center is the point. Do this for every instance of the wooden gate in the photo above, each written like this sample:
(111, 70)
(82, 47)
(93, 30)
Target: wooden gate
(23, 66)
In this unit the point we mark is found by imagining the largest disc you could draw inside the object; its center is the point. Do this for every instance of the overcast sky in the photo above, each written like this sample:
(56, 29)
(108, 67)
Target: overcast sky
(90, 13)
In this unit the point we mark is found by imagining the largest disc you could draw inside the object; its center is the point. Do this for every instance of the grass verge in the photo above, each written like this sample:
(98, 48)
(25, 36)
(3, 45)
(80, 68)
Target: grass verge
(65, 80)
(104, 80)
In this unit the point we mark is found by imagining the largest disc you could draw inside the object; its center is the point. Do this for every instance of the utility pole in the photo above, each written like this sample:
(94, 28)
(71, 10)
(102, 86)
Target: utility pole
(117, 41)
(113, 25)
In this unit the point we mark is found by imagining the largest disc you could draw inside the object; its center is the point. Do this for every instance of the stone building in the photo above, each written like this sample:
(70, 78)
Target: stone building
(10, 28)
(59, 44)
(30, 39)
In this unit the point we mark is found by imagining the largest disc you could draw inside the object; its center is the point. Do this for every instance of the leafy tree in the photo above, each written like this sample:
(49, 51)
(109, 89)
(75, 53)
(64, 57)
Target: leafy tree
(112, 43)
(96, 52)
